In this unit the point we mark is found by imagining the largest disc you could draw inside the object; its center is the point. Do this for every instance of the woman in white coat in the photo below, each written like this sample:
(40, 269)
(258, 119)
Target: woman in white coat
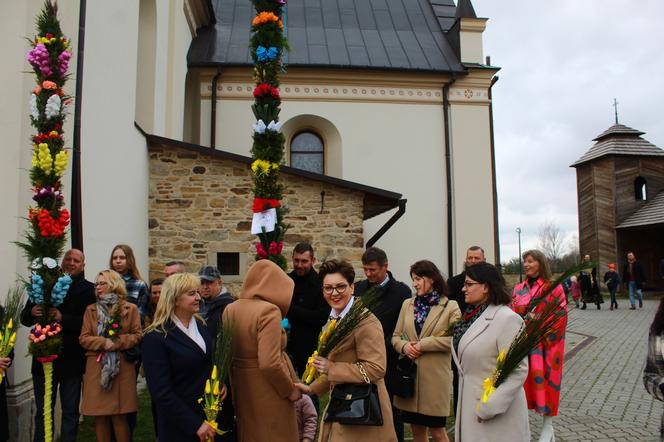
(488, 326)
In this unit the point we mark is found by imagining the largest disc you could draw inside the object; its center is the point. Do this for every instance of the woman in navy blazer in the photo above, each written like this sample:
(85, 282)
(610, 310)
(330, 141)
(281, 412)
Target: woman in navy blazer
(177, 357)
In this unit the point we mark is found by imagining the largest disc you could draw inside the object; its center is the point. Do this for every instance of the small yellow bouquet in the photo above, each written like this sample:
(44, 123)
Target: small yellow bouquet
(310, 373)
(213, 394)
(532, 333)
(10, 322)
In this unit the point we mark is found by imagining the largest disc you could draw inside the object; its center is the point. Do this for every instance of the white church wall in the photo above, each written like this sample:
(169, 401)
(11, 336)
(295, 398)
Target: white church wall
(114, 154)
(471, 173)
(390, 145)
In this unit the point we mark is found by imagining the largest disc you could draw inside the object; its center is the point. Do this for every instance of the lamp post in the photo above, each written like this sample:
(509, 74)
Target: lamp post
(518, 231)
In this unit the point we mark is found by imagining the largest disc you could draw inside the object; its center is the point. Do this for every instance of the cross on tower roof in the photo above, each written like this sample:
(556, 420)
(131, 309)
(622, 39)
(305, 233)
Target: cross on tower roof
(615, 107)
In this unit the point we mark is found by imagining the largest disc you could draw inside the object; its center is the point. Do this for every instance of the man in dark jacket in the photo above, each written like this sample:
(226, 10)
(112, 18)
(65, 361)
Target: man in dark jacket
(215, 298)
(634, 278)
(374, 262)
(474, 255)
(308, 310)
(69, 367)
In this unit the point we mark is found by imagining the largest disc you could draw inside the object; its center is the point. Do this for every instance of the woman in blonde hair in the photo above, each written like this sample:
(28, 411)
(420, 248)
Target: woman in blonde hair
(177, 358)
(110, 326)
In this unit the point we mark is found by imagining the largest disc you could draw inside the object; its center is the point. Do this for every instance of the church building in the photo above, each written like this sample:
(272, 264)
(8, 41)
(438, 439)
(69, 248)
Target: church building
(386, 111)
(620, 189)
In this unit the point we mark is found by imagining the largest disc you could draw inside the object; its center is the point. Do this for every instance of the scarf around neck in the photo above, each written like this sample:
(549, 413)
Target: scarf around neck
(421, 308)
(461, 327)
(110, 360)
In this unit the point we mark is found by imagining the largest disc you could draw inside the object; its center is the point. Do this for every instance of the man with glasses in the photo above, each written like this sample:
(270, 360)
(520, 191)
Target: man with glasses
(394, 293)
(308, 310)
(68, 368)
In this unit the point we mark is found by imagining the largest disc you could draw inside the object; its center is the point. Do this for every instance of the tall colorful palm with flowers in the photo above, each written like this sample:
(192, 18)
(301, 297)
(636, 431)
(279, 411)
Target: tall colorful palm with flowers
(267, 45)
(48, 218)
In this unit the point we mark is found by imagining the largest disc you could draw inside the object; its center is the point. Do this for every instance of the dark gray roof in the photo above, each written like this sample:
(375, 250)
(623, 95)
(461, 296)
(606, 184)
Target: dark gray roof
(652, 212)
(465, 9)
(620, 140)
(369, 34)
(446, 12)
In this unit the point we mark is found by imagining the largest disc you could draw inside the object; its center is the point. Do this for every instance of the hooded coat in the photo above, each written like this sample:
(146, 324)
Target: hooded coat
(262, 375)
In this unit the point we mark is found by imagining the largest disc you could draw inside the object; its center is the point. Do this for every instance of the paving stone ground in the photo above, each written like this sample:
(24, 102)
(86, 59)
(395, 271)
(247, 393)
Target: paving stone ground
(603, 398)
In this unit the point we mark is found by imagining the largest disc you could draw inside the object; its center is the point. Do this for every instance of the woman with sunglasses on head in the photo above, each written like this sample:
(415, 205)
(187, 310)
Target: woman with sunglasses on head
(110, 326)
(359, 358)
(488, 326)
(418, 337)
(545, 363)
(177, 358)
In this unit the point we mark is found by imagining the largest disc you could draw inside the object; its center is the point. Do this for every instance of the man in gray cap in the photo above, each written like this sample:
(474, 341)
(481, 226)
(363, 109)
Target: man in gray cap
(215, 297)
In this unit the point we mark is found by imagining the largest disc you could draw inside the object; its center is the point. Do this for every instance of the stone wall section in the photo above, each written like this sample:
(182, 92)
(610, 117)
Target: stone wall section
(200, 204)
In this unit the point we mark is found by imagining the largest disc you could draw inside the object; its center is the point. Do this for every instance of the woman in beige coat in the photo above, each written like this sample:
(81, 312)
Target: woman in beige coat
(109, 383)
(418, 336)
(486, 329)
(365, 346)
(262, 377)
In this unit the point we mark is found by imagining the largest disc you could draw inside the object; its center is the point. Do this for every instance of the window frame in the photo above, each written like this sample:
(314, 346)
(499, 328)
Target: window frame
(321, 152)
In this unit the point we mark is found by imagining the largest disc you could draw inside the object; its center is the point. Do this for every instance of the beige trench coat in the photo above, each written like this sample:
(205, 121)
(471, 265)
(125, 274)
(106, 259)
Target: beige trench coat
(367, 345)
(505, 415)
(122, 397)
(433, 382)
(262, 375)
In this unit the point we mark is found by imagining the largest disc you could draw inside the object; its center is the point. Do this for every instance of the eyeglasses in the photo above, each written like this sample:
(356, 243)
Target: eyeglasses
(101, 283)
(470, 284)
(329, 289)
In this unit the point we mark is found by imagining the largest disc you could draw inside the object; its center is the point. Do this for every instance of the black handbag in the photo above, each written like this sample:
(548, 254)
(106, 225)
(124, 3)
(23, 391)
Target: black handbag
(355, 404)
(405, 374)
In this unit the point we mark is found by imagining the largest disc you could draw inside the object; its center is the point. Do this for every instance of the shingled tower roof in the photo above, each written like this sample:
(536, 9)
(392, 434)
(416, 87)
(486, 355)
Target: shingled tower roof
(620, 140)
(393, 35)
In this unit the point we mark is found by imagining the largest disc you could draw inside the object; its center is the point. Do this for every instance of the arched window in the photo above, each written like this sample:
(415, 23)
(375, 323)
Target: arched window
(307, 152)
(640, 192)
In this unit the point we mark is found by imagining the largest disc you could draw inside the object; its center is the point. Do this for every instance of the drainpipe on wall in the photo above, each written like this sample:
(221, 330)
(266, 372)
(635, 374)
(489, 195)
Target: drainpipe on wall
(213, 113)
(76, 204)
(494, 187)
(390, 222)
(448, 177)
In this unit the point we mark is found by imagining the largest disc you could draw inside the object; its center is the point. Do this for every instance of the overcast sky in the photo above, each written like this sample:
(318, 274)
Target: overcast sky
(562, 63)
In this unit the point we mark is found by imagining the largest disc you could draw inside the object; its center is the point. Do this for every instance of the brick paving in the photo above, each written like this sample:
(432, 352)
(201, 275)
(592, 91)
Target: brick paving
(603, 398)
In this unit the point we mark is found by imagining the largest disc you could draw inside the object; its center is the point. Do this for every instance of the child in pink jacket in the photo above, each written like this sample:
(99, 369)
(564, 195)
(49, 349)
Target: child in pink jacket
(307, 418)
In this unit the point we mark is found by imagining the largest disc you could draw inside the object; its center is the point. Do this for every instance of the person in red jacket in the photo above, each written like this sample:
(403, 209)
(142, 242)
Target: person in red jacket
(545, 363)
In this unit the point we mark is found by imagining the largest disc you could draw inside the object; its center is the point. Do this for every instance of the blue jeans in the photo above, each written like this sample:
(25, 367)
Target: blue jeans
(631, 285)
(70, 394)
(612, 291)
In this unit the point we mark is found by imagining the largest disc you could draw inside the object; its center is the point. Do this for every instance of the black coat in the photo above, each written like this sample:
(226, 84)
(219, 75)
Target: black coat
(455, 288)
(307, 314)
(639, 274)
(387, 312)
(176, 370)
(71, 360)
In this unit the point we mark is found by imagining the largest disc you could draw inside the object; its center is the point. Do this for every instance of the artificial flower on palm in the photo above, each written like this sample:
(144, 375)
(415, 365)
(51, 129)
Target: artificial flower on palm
(337, 330)
(213, 394)
(9, 322)
(541, 324)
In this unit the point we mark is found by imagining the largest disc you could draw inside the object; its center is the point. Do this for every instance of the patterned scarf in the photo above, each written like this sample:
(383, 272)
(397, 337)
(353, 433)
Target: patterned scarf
(421, 308)
(470, 316)
(110, 360)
